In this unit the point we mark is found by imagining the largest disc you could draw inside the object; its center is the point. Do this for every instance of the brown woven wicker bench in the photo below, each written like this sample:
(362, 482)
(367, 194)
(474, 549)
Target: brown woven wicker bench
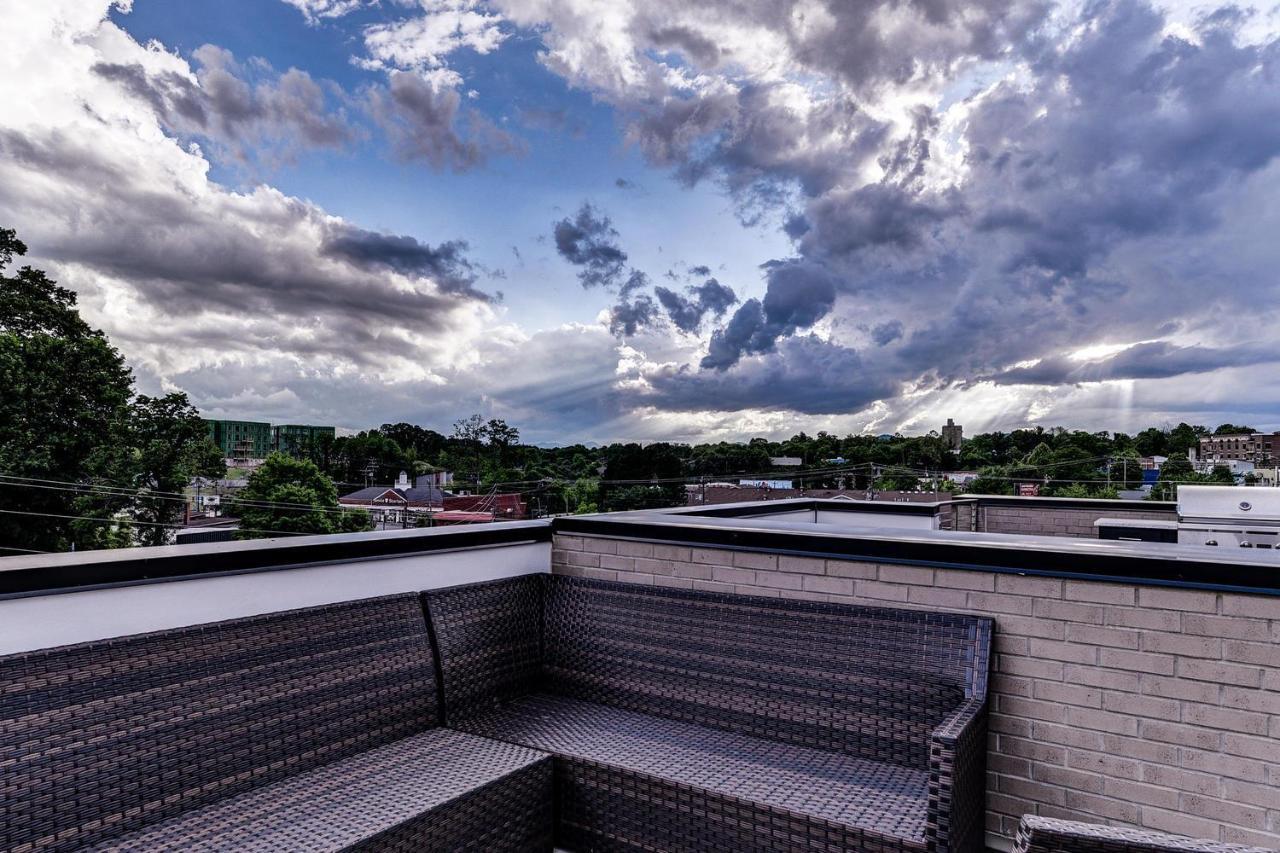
(314, 729)
(691, 721)
(1049, 835)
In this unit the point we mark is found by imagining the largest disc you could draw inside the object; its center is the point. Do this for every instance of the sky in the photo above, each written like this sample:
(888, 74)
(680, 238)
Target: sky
(660, 220)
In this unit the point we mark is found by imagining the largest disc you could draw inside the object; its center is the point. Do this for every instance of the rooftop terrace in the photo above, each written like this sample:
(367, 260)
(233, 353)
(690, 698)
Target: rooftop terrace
(1132, 684)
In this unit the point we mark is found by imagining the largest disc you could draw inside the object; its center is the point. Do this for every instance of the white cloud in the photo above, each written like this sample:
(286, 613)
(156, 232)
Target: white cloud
(423, 41)
(317, 10)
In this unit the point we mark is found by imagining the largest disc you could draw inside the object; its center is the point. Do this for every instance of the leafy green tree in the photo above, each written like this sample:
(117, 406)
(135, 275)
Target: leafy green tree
(1233, 429)
(1184, 436)
(992, 480)
(169, 446)
(1220, 476)
(1126, 471)
(1152, 442)
(1176, 470)
(898, 481)
(501, 437)
(468, 439)
(63, 394)
(287, 495)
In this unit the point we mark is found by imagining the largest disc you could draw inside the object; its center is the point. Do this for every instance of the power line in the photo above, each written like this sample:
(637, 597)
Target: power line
(110, 492)
(130, 521)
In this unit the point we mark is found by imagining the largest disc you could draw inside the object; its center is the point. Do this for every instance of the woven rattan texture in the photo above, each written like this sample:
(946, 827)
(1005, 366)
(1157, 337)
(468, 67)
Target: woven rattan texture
(868, 682)
(103, 738)
(825, 785)
(607, 808)
(1049, 835)
(903, 692)
(439, 790)
(490, 641)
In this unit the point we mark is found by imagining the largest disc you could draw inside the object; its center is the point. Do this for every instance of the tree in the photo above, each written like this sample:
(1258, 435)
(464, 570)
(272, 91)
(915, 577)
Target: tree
(992, 480)
(1126, 471)
(63, 396)
(502, 437)
(169, 446)
(1152, 442)
(287, 495)
(898, 480)
(1183, 437)
(1233, 429)
(469, 435)
(1174, 471)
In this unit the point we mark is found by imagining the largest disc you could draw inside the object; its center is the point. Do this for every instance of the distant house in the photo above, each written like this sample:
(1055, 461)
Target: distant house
(400, 503)
(786, 461)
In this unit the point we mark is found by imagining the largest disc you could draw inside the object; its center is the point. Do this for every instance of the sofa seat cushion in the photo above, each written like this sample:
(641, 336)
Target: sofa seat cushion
(886, 799)
(437, 790)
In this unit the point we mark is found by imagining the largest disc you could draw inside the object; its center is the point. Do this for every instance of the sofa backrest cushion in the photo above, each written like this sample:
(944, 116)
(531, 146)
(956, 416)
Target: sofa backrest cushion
(489, 636)
(101, 738)
(870, 682)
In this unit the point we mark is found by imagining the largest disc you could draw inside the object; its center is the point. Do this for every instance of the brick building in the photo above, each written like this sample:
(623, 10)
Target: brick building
(1259, 447)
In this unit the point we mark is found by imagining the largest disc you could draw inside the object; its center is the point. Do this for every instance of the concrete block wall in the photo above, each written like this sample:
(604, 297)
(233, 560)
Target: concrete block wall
(1110, 703)
(1041, 520)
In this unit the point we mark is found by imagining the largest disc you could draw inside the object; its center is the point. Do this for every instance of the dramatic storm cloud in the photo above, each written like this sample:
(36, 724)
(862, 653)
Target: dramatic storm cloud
(221, 102)
(870, 216)
(686, 311)
(589, 241)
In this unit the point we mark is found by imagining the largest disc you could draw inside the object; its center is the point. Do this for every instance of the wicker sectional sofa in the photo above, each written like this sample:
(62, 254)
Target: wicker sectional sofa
(506, 716)
(692, 721)
(313, 729)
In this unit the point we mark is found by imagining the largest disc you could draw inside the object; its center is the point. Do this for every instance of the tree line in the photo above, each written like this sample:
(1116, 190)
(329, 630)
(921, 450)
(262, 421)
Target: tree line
(88, 462)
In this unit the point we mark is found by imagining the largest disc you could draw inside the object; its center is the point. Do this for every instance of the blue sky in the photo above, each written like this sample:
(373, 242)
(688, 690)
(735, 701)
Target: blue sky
(658, 220)
(510, 203)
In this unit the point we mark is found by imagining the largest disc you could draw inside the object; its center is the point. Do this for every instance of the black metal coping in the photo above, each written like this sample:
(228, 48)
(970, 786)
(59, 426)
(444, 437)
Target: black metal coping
(1139, 563)
(752, 509)
(69, 572)
(1071, 503)
(742, 526)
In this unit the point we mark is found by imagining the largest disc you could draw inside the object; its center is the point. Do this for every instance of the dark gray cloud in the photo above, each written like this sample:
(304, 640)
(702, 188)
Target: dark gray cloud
(799, 294)
(313, 285)
(1091, 209)
(630, 315)
(867, 49)
(425, 122)
(241, 108)
(876, 216)
(886, 333)
(589, 241)
(804, 374)
(446, 264)
(687, 311)
(697, 47)
(1151, 360)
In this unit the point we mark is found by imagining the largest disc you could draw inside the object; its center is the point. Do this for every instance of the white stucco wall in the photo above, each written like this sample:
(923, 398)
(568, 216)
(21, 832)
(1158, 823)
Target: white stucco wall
(43, 621)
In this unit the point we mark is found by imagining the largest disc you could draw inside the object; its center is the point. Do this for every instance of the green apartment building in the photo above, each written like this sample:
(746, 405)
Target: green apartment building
(241, 439)
(298, 439)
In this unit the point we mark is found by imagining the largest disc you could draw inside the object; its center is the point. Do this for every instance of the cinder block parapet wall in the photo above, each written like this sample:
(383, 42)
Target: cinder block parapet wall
(1050, 517)
(1111, 703)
